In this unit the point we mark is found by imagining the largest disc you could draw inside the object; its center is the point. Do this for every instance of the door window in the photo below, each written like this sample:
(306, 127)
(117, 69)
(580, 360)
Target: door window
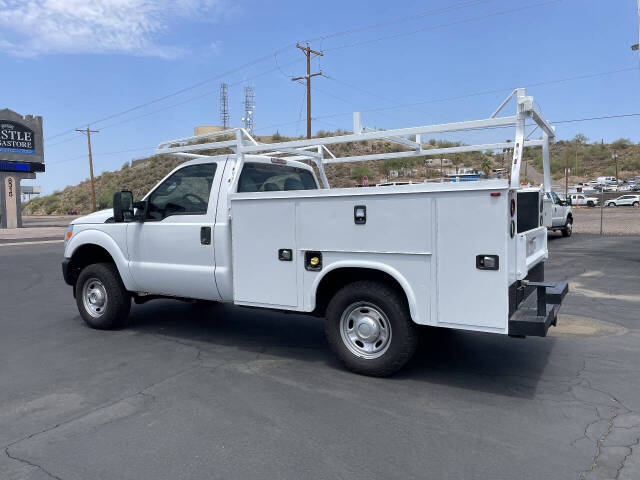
(264, 177)
(555, 198)
(186, 192)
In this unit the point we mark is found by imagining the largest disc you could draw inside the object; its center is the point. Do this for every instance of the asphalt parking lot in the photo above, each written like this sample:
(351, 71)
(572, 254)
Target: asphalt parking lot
(188, 392)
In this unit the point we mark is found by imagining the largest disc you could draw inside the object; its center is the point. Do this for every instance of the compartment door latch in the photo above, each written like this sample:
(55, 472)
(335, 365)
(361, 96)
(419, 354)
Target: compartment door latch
(487, 262)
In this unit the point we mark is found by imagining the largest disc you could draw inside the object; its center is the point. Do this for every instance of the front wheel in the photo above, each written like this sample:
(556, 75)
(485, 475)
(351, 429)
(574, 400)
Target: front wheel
(102, 299)
(635, 204)
(567, 230)
(611, 204)
(590, 203)
(368, 327)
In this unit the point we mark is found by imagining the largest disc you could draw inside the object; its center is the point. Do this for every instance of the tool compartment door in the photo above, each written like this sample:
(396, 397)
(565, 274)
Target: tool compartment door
(259, 229)
(472, 224)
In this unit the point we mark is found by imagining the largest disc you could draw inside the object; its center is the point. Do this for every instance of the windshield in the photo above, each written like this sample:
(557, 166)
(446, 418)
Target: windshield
(265, 177)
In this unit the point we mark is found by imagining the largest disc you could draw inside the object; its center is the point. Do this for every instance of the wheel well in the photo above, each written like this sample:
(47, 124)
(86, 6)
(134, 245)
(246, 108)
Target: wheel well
(570, 217)
(86, 255)
(338, 278)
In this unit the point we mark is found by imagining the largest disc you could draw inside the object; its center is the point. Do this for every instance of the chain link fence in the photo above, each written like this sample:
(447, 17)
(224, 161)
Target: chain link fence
(618, 220)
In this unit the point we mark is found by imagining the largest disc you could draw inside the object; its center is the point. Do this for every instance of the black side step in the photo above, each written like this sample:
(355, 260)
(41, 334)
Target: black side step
(527, 323)
(556, 294)
(535, 321)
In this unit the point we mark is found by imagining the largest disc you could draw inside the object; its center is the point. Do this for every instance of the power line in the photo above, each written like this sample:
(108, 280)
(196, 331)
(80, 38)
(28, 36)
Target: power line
(182, 90)
(101, 154)
(285, 48)
(191, 99)
(488, 92)
(416, 16)
(322, 117)
(554, 122)
(444, 25)
(603, 117)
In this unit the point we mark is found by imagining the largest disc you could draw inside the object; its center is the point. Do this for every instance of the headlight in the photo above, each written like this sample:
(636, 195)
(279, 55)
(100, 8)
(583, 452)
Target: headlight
(68, 233)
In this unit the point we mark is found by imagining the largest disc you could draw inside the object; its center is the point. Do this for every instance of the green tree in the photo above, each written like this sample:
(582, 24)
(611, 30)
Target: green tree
(486, 165)
(621, 143)
(580, 139)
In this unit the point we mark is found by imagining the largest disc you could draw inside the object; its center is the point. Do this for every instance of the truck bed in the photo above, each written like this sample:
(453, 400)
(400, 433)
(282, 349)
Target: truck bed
(426, 236)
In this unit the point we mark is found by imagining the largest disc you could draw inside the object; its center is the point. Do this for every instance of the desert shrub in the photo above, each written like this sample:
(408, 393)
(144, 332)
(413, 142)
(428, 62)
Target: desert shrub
(360, 171)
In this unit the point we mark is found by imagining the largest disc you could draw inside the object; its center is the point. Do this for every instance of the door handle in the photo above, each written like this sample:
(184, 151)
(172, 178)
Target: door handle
(205, 235)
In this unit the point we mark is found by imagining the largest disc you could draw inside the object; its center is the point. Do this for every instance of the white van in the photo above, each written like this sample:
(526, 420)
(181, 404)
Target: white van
(607, 180)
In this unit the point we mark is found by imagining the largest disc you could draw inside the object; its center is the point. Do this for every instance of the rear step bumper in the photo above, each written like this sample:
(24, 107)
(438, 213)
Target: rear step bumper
(535, 320)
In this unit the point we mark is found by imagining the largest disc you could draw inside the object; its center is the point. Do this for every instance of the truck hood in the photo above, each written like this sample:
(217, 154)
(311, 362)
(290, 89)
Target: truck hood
(95, 217)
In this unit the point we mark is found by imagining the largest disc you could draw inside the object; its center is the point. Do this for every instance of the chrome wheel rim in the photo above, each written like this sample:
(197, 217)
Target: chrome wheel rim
(94, 297)
(365, 330)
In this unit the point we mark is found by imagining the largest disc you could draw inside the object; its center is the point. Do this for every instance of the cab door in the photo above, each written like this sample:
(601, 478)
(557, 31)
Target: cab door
(171, 252)
(557, 211)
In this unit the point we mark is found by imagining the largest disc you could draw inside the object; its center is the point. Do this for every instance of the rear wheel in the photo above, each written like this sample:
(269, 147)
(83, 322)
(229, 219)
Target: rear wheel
(635, 204)
(368, 327)
(102, 299)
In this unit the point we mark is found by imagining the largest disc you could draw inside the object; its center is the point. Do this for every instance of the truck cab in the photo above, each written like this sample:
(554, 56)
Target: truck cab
(181, 244)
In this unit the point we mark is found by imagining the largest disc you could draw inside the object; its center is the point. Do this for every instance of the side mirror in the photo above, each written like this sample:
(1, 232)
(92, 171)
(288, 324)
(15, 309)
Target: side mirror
(122, 206)
(141, 208)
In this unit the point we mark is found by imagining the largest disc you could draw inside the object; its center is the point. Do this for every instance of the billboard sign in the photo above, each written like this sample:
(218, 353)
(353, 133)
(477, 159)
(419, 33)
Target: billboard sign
(20, 139)
(16, 138)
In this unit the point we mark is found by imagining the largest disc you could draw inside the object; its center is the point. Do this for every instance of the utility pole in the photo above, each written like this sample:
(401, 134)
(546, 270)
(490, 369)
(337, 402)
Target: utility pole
(308, 52)
(88, 133)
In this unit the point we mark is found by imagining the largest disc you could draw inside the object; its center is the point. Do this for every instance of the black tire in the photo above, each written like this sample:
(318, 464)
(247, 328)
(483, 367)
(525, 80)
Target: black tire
(115, 309)
(611, 204)
(403, 332)
(635, 204)
(589, 203)
(567, 230)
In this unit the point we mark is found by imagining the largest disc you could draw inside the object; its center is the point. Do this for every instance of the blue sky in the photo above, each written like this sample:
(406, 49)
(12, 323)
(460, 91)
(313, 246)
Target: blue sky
(74, 62)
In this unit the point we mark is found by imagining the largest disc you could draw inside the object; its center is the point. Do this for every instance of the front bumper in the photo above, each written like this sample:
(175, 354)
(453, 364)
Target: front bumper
(529, 318)
(66, 271)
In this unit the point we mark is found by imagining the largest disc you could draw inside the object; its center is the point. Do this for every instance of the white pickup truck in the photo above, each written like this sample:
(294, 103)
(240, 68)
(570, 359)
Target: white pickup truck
(558, 214)
(582, 199)
(255, 229)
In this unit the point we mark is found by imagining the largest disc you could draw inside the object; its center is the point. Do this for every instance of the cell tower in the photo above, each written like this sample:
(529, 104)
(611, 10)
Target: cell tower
(224, 105)
(249, 108)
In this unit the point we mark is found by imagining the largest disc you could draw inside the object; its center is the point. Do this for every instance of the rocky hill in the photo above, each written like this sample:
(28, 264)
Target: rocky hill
(586, 161)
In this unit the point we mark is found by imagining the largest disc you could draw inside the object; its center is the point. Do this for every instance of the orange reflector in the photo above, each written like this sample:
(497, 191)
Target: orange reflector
(495, 194)
(67, 236)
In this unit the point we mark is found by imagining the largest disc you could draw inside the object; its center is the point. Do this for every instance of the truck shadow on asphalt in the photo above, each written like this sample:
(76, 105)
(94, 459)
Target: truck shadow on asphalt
(469, 360)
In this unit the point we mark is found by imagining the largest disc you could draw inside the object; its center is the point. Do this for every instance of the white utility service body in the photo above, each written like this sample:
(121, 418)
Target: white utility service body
(456, 255)
(418, 234)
